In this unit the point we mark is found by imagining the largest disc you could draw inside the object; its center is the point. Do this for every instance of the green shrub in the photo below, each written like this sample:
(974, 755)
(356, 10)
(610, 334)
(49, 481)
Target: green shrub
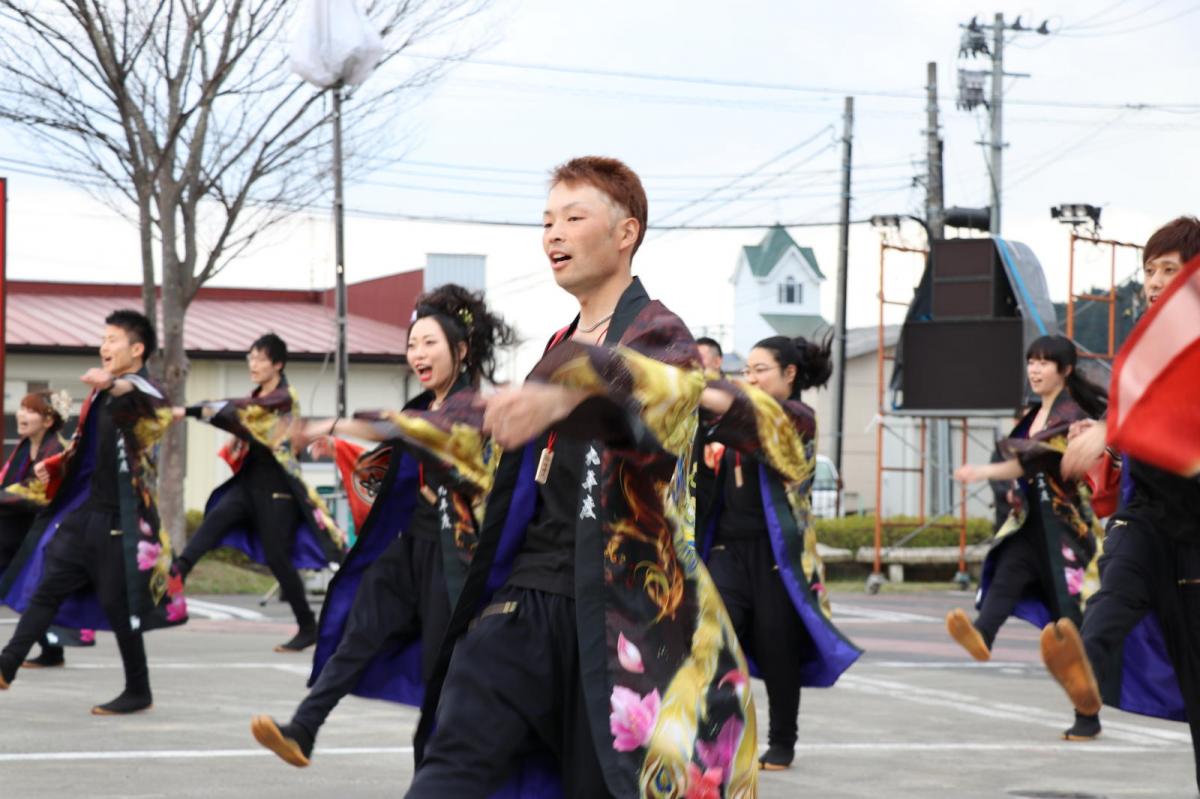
(193, 518)
(852, 532)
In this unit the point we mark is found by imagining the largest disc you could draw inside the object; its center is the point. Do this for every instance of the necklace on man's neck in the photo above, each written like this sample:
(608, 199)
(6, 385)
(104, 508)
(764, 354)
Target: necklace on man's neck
(594, 327)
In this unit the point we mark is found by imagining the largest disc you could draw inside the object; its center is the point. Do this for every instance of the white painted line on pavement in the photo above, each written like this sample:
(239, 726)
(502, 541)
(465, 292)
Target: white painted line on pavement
(213, 611)
(191, 754)
(975, 705)
(955, 664)
(961, 746)
(876, 615)
(212, 664)
(294, 668)
(219, 610)
(826, 748)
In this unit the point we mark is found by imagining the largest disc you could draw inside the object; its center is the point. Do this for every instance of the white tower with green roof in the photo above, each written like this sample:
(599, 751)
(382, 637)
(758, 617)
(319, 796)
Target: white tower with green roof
(776, 292)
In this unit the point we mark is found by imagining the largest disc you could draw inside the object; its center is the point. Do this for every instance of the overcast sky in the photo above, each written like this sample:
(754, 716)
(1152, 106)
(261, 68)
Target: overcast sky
(1087, 126)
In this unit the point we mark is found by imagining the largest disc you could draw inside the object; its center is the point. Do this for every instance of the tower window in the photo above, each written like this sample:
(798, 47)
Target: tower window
(790, 292)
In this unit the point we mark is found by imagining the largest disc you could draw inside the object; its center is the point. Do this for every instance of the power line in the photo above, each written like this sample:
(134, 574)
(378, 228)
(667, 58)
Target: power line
(773, 159)
(544, 174)
(1089, 23)
(783, 87)
(371, 214)
(1137, 28)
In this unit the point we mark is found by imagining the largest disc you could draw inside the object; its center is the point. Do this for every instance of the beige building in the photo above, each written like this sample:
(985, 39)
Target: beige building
(53, 332)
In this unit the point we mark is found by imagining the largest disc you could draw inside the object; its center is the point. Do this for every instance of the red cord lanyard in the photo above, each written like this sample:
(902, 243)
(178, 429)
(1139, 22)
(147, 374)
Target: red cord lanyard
(543, 468)
(426, 491)
(737, 469)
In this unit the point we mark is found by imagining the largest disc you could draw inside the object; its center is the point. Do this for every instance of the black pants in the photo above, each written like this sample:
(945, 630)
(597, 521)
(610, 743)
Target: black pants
(1022, 569)
(402, 596)
(513, 687)
(1145, 569)
(767, 624)
(263, 503)
(13, 529)
(86, 553)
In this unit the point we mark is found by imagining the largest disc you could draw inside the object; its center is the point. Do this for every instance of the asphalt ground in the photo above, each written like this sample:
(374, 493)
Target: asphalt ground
(914, 718)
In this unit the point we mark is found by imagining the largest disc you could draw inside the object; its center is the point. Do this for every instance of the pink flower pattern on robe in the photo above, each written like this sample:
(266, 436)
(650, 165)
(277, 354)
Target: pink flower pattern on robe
(633, 718)
(147, 555)
(176, 608)
(629, 656)
(718, 755)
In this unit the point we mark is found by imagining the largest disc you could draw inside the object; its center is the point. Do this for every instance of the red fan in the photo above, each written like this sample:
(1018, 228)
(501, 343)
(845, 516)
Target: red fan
(360, 480)
(1154, 399)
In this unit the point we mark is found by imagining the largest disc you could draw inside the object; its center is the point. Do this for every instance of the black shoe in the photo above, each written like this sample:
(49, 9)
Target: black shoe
(51, 657)
(291, 742)
(1085, 728)
(8, 672)
(127, 702)
(777, 758)
(303, 639)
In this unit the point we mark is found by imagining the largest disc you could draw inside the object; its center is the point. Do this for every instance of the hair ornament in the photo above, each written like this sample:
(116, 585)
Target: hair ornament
(60, 401)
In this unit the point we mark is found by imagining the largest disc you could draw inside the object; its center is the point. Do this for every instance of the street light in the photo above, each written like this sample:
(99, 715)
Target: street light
(336, 46)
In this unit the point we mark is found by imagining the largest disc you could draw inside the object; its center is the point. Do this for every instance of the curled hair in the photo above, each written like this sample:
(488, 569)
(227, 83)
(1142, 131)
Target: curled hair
(463, 316)
(813, 360)
(1061, 351)
(42, 403)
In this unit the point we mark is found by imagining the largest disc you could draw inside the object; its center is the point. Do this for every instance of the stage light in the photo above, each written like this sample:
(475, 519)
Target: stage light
(1076, 214)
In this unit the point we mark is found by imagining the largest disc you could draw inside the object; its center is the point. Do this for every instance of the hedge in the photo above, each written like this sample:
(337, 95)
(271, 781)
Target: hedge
(848, 532)
(852, 532)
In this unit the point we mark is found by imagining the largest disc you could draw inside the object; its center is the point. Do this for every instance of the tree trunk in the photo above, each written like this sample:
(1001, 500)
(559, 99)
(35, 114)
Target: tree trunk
(173, 460)
(146, 235)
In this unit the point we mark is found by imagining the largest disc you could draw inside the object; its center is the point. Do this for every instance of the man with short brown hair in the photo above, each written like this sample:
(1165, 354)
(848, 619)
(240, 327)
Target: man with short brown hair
(1148, 604)
(588, 632)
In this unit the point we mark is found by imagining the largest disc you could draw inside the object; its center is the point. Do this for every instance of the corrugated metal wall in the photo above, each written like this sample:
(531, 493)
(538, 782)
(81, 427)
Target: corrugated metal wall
(469, 271)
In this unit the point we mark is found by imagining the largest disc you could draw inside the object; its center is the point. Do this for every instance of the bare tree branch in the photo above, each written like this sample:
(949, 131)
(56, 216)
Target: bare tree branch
(184, 116)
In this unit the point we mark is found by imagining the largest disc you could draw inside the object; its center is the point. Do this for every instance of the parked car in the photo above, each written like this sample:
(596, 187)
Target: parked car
(826, 490)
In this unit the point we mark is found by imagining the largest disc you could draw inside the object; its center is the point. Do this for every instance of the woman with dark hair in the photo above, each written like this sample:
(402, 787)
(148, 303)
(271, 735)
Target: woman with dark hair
(1038, 561)
(40, 417)
(388, 605)
(756, 532)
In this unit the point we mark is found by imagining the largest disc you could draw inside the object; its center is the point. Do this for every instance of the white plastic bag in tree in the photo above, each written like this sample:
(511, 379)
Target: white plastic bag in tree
(334, 41)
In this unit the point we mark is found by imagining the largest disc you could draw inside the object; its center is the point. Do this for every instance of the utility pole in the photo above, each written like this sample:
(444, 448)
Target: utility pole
(934, 199)
(970, 86)
(997, 144)
(339, 250)
(839, 335)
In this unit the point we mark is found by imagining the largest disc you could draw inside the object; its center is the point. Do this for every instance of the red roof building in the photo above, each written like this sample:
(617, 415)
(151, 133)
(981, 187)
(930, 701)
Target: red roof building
(221, 322)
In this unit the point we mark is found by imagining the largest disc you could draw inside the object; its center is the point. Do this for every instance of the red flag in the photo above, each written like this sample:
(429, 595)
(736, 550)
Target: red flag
(1154, 400)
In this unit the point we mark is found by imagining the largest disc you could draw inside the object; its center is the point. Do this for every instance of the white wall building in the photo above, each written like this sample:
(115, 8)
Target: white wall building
(776, 291)
(53, 332)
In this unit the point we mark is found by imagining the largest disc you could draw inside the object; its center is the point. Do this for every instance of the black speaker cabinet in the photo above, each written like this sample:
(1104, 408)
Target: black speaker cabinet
(964, 364)
(969, 281)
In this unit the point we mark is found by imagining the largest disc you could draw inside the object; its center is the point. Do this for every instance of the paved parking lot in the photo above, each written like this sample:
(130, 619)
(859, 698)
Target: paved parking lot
(914, 718)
